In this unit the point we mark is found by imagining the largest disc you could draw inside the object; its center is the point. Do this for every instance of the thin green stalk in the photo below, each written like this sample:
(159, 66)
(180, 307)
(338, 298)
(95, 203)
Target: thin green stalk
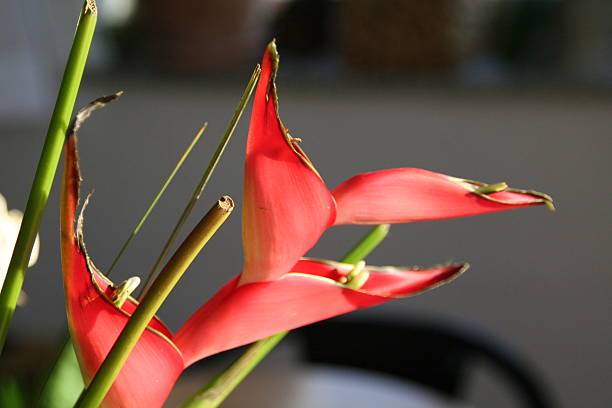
(205, 177)
(367, 244)
(215, 392)
(156, 199)
(47, 165)
(95, 392)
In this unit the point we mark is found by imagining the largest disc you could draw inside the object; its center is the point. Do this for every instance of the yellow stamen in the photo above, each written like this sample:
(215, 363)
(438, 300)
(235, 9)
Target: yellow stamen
(359, 280)
(492, 188)
(124, 290)
(359, 266)
(357, 277)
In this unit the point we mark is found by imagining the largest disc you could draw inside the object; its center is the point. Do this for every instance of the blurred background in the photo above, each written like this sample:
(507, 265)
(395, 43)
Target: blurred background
(491, 90)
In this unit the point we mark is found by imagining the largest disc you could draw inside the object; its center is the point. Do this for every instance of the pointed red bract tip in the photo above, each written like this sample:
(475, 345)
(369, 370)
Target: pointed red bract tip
(409, 194)
(238, 315)
(283, 194)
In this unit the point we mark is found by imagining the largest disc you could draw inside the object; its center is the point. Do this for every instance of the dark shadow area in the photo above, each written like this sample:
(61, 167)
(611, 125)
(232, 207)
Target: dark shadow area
(437, 355)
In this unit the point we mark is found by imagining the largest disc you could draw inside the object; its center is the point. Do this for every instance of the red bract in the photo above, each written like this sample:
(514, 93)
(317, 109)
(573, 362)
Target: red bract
(95, 321)
(287, 205)
(286, 209)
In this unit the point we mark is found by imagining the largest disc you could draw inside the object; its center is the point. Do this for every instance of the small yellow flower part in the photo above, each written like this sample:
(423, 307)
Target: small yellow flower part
(124, 290)
(357, 277)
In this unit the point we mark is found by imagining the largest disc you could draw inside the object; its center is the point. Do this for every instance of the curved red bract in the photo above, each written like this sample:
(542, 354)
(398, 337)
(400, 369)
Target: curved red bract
(241, 314)
(409, 194)
(95, 322)
(281, 191)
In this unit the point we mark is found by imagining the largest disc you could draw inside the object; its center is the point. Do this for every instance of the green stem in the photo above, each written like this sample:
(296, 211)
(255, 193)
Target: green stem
(215, 392)
(205, 177)
(95, 392)
(64, 383)
(367, 244)
(47, 165)
(156, 199)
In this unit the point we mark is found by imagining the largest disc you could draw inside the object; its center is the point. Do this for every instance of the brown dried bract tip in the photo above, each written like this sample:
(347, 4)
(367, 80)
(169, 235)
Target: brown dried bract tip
(85, 112)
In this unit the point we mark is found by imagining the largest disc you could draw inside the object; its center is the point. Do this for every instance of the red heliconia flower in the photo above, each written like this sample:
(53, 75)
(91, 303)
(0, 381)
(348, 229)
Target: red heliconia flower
(287, 207)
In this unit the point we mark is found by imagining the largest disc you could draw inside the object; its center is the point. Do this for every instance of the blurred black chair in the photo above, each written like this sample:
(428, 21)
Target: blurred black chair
(434, 355)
